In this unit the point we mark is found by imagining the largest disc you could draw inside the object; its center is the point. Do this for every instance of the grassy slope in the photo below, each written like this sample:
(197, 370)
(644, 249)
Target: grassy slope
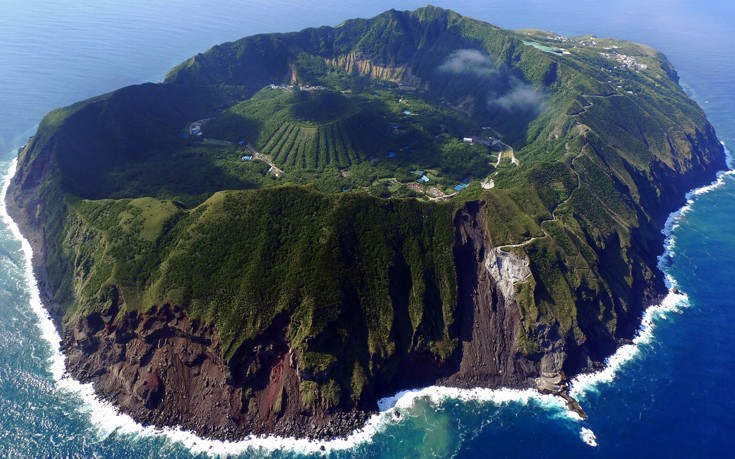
(364, 281)
(323, 259)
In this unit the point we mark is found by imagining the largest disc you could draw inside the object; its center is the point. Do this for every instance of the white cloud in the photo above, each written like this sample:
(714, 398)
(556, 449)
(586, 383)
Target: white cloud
(468, 61)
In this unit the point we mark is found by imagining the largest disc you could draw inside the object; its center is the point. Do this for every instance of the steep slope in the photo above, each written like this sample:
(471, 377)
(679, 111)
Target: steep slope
(194, 288)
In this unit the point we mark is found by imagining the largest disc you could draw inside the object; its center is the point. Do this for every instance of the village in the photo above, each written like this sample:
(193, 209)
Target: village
(432, 183)
(427, 183)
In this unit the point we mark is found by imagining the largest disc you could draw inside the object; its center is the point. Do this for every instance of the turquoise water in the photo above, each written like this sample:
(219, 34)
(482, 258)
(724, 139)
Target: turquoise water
(673, 397)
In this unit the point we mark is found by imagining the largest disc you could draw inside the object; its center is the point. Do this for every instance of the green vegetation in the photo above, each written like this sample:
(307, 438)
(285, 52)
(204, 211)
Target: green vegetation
(302, 247)
(305, 129)
(340, 237)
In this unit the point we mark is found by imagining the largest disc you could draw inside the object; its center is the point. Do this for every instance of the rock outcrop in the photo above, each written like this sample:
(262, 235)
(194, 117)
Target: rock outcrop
(164, 368)
(488, 316)
(285, 310)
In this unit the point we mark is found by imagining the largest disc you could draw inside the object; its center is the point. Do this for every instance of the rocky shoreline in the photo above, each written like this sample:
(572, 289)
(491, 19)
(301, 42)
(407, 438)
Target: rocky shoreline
(583, 280)
(96, 349)
(127, 360)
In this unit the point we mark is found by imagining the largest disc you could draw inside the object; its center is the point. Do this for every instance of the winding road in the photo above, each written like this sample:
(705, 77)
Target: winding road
(553, 212)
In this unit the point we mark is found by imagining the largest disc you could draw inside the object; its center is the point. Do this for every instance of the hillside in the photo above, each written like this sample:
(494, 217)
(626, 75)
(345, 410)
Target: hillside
(292, 226)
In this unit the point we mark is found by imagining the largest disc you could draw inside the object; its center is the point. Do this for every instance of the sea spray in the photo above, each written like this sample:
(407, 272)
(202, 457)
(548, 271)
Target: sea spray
(45, 324)
(589, 382)
(108, 420)
(588, 436)
(672, 303)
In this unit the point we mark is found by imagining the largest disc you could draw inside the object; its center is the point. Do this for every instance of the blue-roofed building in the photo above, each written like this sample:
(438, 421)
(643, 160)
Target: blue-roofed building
(391, 154)
(423, 179)
(460, 187)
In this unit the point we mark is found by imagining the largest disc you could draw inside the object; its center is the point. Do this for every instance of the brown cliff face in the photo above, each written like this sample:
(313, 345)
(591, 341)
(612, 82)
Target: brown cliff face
(488, 320)
(166, 369)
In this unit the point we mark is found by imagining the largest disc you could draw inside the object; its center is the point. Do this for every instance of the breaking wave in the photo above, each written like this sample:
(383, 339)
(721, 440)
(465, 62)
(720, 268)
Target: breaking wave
(674, 302)
(108, 421)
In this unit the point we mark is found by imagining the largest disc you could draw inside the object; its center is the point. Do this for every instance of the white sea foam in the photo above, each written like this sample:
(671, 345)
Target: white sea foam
(672, 303)
(588, 382)
(108, 420)
(588, 436)
(499, 397)
(48, 330)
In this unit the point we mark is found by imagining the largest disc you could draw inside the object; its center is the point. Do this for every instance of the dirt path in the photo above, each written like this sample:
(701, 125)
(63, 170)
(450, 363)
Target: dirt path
(553, 218)
(591, 104)
(508, 150)
(435, 194)
(266, 159)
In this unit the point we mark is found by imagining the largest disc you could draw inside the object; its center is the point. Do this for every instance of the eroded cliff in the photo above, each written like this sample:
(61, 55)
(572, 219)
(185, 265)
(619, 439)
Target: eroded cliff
(194, 289)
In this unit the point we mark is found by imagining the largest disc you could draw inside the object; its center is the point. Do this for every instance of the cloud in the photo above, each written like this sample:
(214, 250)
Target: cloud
(468, 61)
(504, 91)
(521, 97)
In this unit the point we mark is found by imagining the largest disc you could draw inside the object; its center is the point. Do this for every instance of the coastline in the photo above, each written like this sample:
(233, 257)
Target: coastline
(108, 419)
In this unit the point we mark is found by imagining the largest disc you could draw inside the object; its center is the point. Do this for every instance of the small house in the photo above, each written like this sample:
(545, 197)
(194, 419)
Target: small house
(467, 140)
(423, 179)
(247, 157)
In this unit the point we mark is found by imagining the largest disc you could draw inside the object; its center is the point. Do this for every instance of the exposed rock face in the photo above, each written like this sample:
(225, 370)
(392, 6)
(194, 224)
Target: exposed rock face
(356, 63)
(488, 315)
(164, 368)
(506, 268)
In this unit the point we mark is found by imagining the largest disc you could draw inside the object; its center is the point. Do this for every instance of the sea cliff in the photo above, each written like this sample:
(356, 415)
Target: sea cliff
(195, 289)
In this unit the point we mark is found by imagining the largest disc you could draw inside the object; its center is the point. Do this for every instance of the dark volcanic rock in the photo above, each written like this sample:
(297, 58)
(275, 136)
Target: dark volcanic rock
(488, 320)
(164, 368)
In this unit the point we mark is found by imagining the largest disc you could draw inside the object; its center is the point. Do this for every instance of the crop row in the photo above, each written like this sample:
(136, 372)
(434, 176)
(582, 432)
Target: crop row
(343, 143)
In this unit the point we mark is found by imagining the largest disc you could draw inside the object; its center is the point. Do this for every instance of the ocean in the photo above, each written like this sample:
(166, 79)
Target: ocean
(671, 394)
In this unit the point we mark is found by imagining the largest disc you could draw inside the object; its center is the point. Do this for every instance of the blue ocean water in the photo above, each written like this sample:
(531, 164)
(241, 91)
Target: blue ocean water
(674, 395)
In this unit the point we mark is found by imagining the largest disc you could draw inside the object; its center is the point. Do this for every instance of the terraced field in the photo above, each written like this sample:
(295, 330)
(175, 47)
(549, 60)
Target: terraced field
(307, 130)
(344, 142)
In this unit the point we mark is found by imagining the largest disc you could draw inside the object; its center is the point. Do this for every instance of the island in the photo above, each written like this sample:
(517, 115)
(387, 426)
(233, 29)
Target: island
(293, 226)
